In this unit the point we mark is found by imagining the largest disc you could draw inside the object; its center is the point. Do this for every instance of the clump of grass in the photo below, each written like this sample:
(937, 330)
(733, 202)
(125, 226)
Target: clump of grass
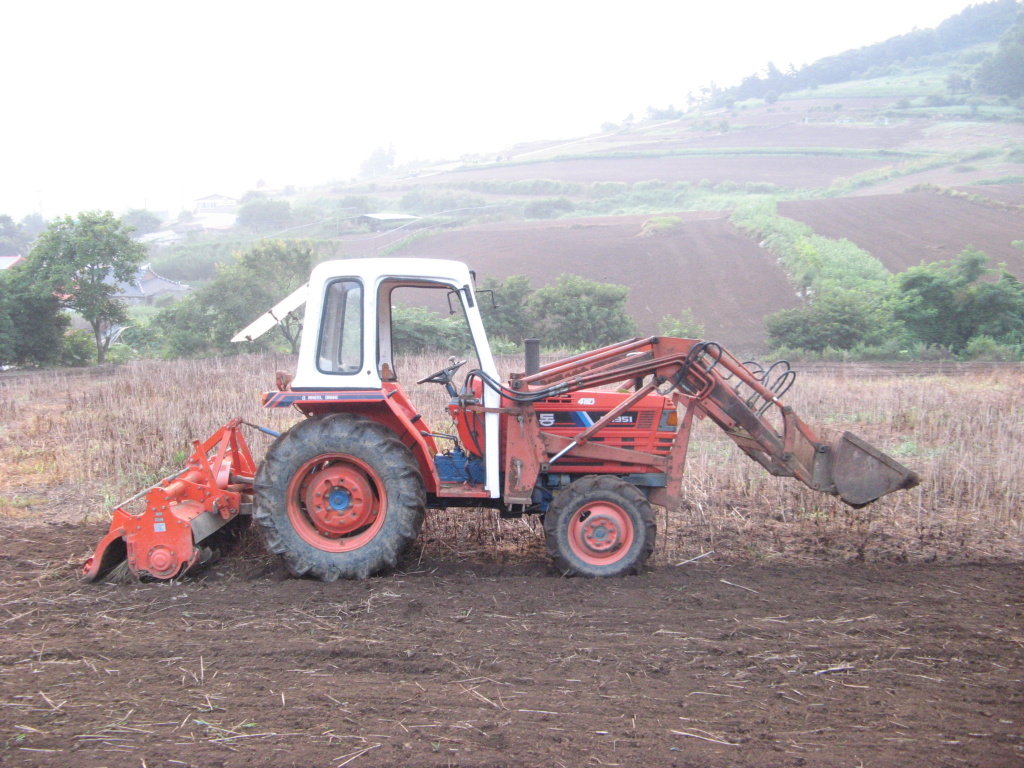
(658, 225)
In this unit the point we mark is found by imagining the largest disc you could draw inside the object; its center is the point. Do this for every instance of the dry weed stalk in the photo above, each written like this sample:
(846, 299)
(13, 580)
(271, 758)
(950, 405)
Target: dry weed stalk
(74, 443)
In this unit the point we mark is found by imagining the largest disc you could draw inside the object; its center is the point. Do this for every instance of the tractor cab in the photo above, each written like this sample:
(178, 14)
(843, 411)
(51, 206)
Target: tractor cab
(349, 358)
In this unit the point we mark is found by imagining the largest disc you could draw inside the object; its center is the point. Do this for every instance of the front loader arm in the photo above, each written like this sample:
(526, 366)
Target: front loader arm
(707, 380)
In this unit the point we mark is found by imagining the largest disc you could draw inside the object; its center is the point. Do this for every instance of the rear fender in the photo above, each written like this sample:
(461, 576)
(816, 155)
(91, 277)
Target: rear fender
(389, 407)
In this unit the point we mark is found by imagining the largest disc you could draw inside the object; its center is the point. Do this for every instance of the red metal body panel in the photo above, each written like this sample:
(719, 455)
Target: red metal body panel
(160, 541)
(389, 406)
(645, 427)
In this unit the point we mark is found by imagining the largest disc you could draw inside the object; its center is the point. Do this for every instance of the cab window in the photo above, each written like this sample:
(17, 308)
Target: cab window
(341, 331)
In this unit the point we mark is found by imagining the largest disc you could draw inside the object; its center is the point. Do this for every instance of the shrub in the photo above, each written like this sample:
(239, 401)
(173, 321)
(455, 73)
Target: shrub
(78, 349)
(839, 320)
(682, 325)
(550, 208)
(988, 349)
(416, 330)
(575, 313)
(659, 225)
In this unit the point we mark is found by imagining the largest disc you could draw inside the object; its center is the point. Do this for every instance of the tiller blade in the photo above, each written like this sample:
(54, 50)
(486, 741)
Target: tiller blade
(181, 510)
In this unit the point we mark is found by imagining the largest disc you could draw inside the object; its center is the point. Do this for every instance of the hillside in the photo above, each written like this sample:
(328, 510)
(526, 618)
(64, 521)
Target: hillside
(852, 172)
(906, 229)
(904, 160)
(704, 264)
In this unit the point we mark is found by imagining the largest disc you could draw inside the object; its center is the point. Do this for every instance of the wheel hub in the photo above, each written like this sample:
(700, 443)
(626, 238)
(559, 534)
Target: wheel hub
(160, 562)
(601, 533)
(339, 500)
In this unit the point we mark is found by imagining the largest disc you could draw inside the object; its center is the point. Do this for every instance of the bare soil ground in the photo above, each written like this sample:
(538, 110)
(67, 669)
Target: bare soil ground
(904, 230)
(708, 266)
(795, 133)
(1012, 194)
(704, 264)
(796, 171)
(449, 663)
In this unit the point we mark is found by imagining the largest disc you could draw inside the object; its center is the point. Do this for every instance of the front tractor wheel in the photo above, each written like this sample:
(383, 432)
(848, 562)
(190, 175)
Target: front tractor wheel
(600, 526)
(339, 497)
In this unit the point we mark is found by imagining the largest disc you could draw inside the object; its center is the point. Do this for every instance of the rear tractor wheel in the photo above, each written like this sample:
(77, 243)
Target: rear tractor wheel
(339, 497)
(600, 526)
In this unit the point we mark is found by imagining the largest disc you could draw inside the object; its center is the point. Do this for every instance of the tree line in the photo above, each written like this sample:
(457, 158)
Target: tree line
(83, 264)
(571, 312)
(1000, 74)
(851, 305)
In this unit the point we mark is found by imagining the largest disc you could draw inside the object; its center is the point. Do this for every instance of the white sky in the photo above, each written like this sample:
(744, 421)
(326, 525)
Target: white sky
(115, 105)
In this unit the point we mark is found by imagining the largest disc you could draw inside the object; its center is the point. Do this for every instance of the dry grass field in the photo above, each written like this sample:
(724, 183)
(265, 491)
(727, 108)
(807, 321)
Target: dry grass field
(73, 443)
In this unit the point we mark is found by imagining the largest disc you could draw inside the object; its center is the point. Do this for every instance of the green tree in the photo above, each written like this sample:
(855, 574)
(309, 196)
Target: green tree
(264, 214)
(14, 239)
(839, 319)
(34, 224)
(1002, 73)
(378, 163)
(252, 194)
(949, 303)
(32, 324)
(205, 321)
(957, 83)
(576, 313)
(141, 221)
(509, 316)
(83, 260)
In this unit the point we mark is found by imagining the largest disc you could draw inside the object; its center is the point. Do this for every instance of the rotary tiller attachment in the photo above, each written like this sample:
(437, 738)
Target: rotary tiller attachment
(182, 510)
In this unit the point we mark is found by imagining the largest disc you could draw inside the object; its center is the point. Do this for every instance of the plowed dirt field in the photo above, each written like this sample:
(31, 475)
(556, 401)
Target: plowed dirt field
(705, 265)
(797, 170)
(468, 664)
(907, 229)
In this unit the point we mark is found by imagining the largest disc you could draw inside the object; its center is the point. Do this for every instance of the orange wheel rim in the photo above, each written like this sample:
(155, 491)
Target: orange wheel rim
(600, 533)
(336, 503)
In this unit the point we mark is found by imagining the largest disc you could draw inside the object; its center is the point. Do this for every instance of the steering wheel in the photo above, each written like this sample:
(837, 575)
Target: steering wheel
(444, 376)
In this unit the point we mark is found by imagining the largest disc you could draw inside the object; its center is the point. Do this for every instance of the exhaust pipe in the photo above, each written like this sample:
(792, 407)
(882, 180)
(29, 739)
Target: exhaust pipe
(532, 347)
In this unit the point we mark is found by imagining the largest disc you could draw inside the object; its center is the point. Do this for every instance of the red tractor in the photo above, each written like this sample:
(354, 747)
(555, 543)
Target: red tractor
(589, 442)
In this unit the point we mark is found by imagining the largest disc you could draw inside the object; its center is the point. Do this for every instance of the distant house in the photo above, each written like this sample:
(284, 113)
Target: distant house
(206, 222)
(160, 239)
(217, 222)
(6, 262)
(215, 204)
(148, 286)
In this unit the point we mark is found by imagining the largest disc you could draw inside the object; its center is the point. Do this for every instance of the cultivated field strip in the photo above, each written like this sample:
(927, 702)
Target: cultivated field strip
(710, 663)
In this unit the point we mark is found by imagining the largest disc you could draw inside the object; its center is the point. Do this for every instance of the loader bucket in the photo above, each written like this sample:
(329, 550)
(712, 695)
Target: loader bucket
(862, 473)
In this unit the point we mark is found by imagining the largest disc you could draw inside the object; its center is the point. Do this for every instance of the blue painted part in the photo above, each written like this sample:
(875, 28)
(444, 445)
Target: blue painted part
(340, 499)
(459, 467)
(542, 497)
(582, 419)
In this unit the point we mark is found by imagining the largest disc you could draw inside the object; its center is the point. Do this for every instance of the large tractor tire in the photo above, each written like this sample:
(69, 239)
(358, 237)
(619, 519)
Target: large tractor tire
(339, 497)
(599, 526)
